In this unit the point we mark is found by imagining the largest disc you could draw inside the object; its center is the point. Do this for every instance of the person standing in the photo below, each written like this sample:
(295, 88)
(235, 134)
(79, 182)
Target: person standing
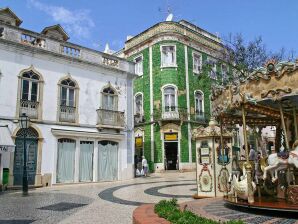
(145, 166)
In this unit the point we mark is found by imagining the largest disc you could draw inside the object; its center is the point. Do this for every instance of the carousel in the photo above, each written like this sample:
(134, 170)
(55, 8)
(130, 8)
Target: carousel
(268, 97)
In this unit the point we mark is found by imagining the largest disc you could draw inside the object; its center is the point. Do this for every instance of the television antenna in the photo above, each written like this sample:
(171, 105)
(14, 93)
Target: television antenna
(168, 12)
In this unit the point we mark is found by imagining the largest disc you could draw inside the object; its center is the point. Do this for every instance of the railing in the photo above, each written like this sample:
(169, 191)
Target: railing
(110, 118)
(170, 113)
(30, 108)
(179, 113)
(139, 118)
(200, 117)
(70, 51)
(41, 41)
(67, 114)
(110, 62)
(33, 41)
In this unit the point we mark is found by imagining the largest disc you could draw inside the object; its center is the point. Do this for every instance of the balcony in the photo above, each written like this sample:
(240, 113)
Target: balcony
(139, 119)
(200, 117)
(171, 114)
(110, 119)
(67, 114)
(30, 108)
(32, 41)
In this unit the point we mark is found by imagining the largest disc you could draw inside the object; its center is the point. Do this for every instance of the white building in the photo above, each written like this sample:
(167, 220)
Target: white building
(79, 103)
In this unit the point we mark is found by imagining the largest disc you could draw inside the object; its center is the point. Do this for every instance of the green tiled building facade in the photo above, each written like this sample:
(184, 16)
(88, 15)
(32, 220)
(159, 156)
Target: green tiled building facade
(177, 63)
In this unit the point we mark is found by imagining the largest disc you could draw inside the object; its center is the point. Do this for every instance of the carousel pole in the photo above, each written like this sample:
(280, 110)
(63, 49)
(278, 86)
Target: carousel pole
(248, 167)
(295, 123)
(222, 156)
(284, 126)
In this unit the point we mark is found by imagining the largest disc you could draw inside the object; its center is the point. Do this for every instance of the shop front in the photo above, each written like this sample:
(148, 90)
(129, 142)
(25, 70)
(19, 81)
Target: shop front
(6, 147)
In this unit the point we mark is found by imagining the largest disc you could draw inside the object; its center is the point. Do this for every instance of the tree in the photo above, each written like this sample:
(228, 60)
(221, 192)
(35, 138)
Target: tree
(244, 57)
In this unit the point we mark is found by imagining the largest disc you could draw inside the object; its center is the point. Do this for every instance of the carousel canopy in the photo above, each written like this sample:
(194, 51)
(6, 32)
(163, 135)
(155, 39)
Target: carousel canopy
(261, 93)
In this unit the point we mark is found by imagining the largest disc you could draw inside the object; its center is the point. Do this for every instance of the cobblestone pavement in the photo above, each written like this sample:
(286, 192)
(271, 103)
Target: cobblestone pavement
(114, 202)
(218, 210)
(109, 202)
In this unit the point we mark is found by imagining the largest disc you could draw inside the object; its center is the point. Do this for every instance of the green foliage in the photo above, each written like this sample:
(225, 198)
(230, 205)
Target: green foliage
(170, 211)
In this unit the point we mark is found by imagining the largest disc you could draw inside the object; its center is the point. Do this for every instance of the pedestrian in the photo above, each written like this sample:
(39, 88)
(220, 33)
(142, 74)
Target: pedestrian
(145, 166)
(252, 154)
(136, 164)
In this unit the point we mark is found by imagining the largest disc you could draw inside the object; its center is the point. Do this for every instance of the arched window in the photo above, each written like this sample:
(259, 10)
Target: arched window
(109, 99)
(139, 104)
(67, 93)
(29, 97)
(199, 103)
(67, 100)
(169, 99)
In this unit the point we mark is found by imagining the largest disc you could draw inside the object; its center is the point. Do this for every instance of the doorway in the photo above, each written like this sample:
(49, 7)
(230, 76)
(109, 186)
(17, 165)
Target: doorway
(31, 149)
(171, 155)
(107, 161)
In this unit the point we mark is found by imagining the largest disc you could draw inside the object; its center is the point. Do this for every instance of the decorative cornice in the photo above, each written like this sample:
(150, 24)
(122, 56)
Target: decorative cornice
(172, 29)
(205, 132)
(272, 69)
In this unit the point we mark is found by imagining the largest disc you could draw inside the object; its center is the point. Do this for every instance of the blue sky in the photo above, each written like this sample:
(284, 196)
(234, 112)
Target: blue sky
(92, 23)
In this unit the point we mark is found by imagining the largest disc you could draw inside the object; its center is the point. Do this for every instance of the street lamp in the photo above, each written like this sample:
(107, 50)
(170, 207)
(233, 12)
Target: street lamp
(24, 123)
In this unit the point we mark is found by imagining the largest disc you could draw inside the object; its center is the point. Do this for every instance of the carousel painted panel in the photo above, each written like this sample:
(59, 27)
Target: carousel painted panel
(223, 166)
(204, 168)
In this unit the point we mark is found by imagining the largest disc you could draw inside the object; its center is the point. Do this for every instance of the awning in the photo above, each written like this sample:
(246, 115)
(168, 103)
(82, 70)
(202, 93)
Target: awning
(6, 142)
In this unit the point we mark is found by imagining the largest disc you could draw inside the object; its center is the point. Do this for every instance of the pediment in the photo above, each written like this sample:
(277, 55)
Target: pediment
(9, 17)
(56, 32)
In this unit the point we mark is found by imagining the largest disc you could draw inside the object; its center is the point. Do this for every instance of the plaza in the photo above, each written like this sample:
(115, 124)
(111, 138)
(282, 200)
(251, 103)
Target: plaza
(114, 202)
(171, 120)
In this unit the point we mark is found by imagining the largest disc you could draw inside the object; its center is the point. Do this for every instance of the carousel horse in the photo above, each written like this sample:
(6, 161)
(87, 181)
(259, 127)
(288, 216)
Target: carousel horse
(281, 161)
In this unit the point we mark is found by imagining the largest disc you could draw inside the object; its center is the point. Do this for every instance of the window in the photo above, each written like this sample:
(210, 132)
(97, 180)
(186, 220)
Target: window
(224, 73)
(199, 102)
(30, 86)
(139, 104)
(109, 99)
(197, 63)
(169, 99)
(168, 56)
(213, 72)
(67, 93)
(139, 65)
(29, 95)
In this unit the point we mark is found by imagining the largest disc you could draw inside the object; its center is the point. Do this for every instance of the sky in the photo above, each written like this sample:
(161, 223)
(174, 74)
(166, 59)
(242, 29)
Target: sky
(93, 23)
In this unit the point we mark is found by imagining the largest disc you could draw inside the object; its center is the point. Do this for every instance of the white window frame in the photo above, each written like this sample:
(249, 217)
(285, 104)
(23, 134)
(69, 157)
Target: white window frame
(135, 105)
(214, 66)
(67, 96)
(163, 96)
(115, 98)
(195, 53)
(203, 100)
(30, 88)
(139, 56)
(174, 65)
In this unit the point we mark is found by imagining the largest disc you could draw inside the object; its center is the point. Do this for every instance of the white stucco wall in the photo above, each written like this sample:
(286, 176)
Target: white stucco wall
(91, 80)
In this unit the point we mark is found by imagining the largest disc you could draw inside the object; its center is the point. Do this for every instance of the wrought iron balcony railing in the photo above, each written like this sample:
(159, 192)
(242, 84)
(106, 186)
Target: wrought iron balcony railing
(139, 118)
(200, 117)
(67, 114)
(110, 118)
(170, 114)
(30, 108)
(179, 113)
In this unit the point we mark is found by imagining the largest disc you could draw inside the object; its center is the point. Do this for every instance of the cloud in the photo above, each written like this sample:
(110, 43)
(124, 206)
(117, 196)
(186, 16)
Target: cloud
(77, 22)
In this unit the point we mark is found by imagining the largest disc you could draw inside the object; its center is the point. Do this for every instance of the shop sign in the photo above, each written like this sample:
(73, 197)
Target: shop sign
(171, 137)
(139, 142)
(3, 148)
